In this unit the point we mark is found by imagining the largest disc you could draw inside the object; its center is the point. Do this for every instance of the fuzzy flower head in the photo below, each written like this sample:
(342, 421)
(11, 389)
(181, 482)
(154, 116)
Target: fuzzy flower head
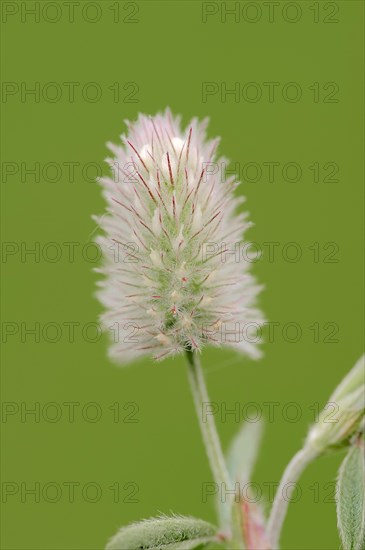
(176, 277)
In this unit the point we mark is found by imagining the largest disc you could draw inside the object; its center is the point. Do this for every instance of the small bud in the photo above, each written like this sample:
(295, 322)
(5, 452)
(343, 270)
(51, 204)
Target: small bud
(335, 430)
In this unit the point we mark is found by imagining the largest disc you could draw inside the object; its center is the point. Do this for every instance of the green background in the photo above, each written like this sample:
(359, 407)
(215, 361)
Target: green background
(169, 52)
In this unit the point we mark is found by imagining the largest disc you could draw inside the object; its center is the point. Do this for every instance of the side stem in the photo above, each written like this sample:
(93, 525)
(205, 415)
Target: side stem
(286, 487)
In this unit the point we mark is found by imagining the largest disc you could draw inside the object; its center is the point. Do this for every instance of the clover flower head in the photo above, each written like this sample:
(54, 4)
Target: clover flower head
(174, 275)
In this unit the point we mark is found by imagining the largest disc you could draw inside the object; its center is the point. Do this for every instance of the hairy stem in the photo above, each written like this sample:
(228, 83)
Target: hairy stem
(212, 444)
(286, 487)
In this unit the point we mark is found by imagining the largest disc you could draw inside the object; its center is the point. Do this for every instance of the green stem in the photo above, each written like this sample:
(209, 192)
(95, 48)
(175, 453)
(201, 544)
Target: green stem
(212, 444)
(286, 487)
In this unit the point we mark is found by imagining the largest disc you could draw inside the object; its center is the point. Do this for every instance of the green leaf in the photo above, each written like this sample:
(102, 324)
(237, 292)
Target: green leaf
(242, 453)
(164, 533)
(241, 458)
(351, 498)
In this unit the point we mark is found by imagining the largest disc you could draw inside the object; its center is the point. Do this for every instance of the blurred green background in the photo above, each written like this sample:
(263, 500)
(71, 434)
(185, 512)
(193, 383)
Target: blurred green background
(141, 57)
